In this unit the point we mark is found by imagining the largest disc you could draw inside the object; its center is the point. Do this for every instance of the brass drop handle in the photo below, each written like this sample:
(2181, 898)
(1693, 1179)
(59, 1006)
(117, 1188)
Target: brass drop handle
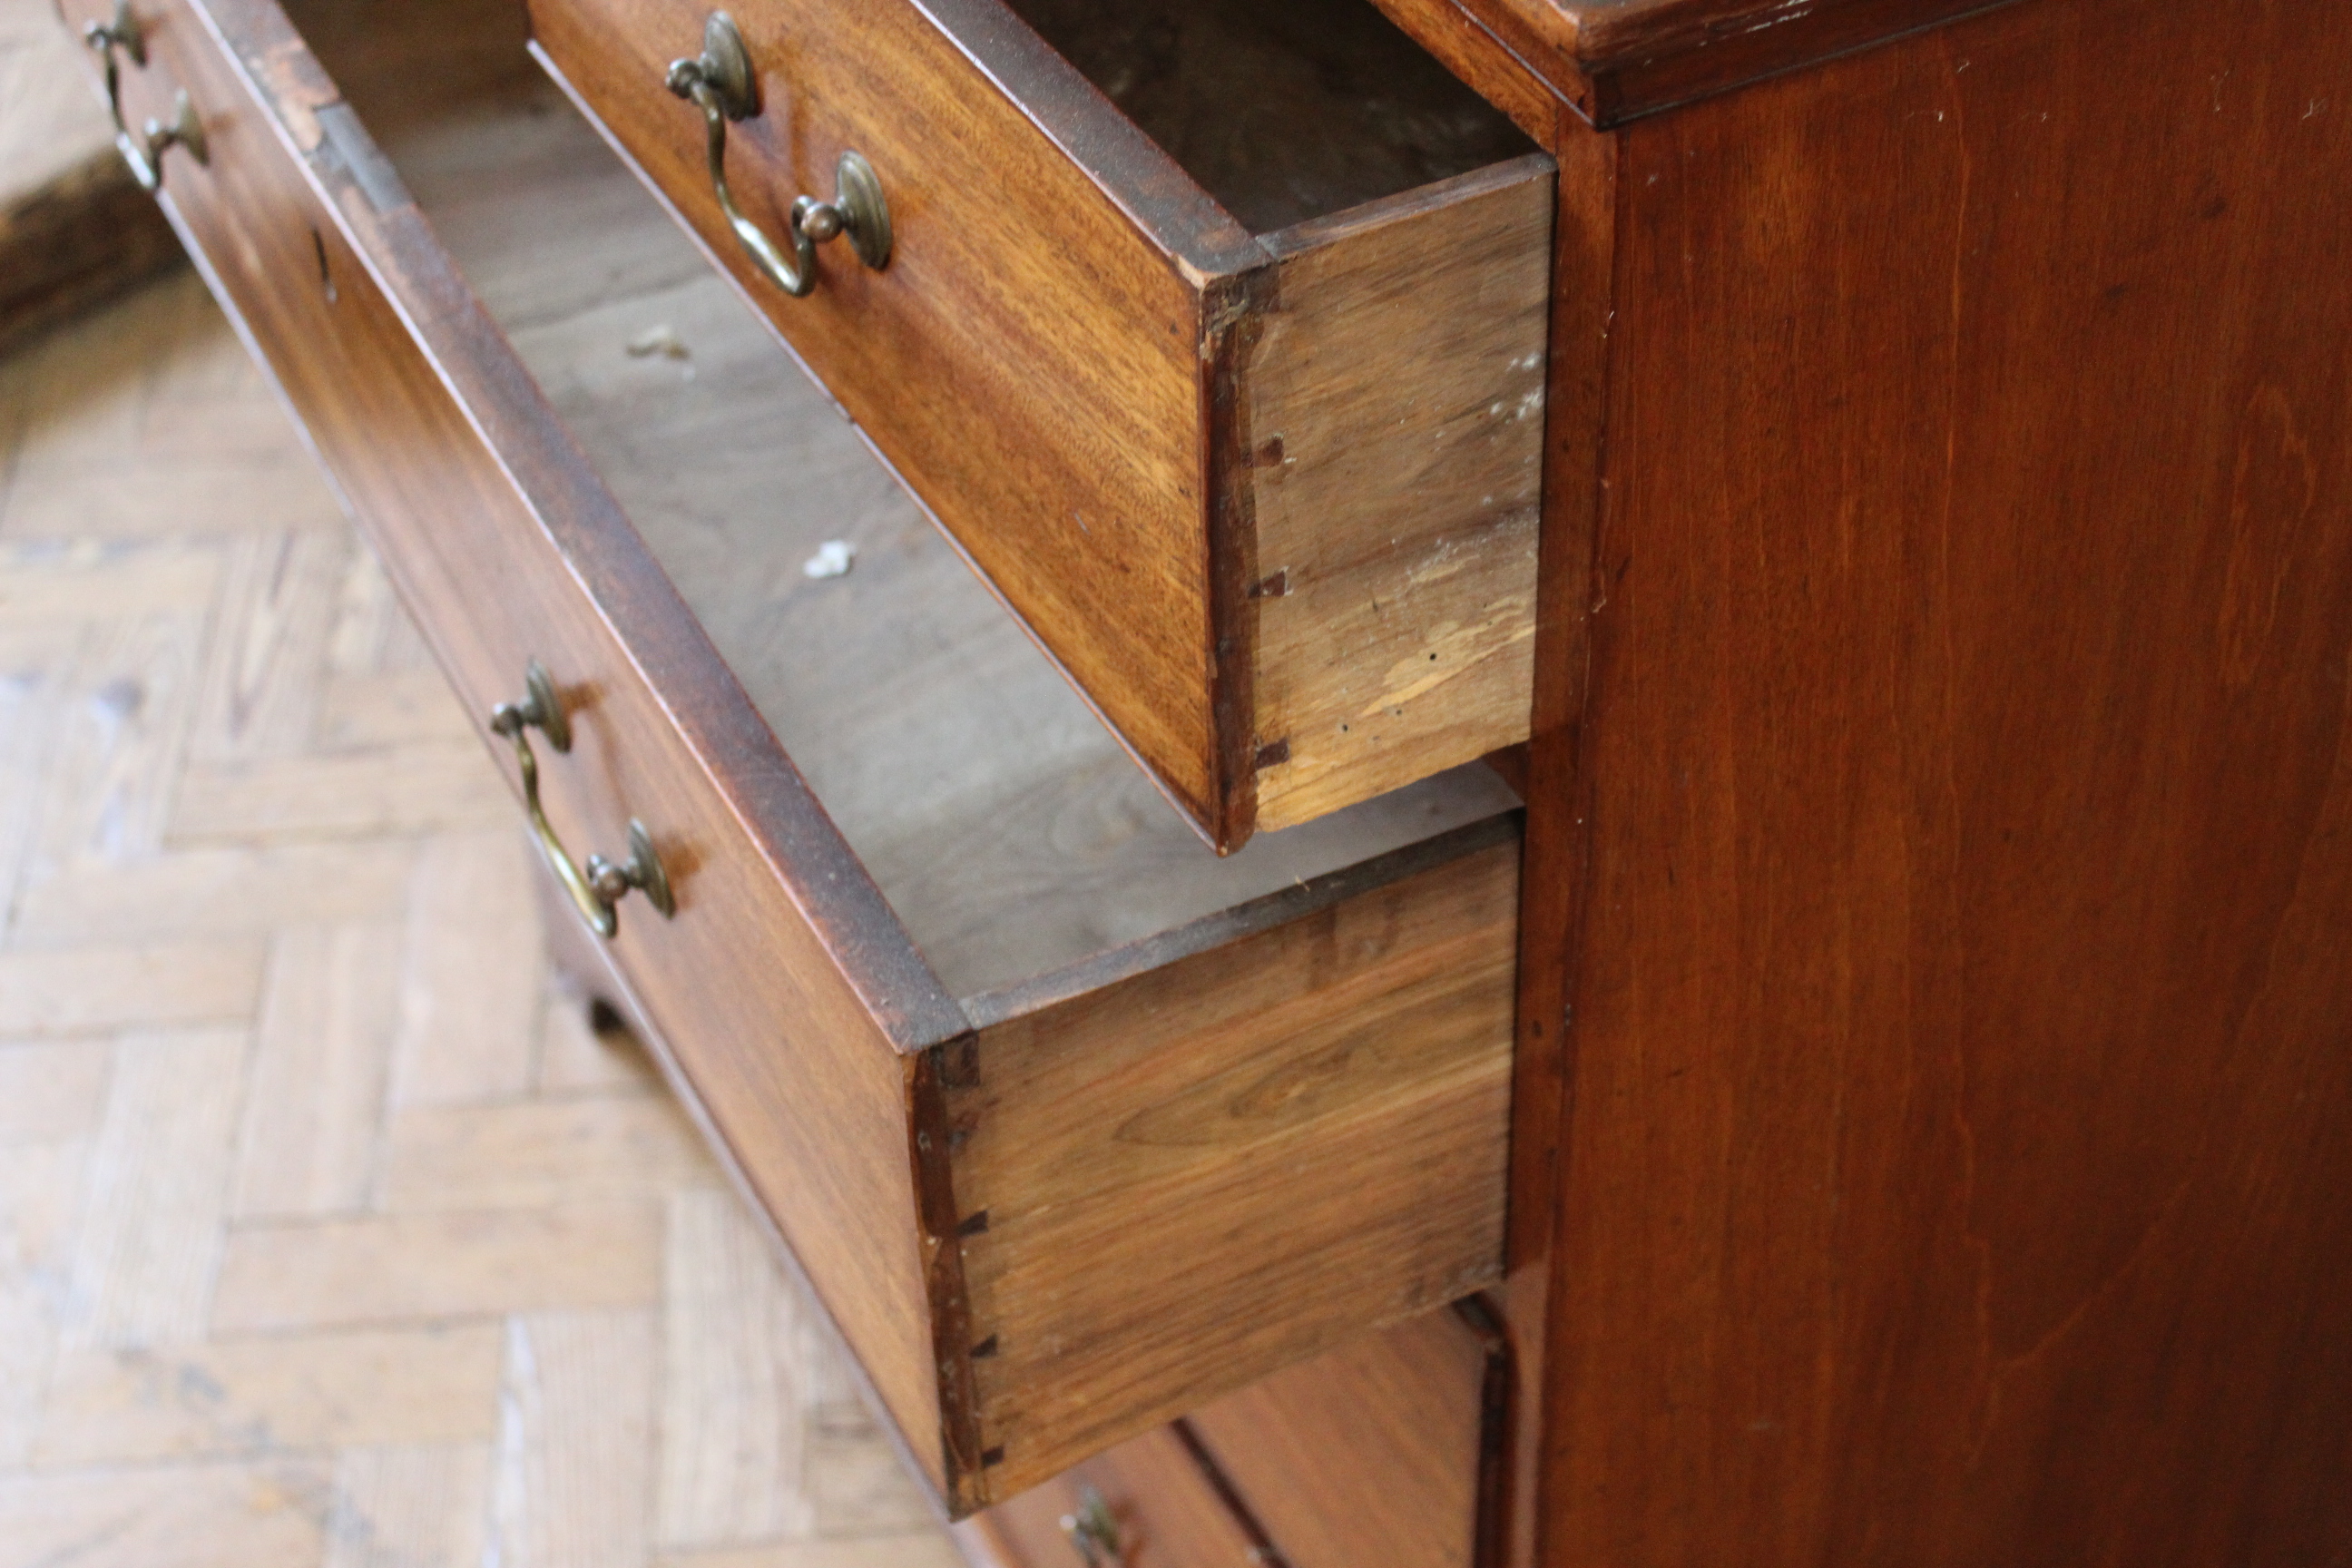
(1093, 1531)
(143, 153)
(597, 887)
(720, 82)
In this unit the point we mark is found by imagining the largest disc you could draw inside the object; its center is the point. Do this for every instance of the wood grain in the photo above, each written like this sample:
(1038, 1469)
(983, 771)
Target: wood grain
(1557, 781)
(1469, 46)
(1402, 637)
(464, 1029)
(389, 1269)
(1953, 1172)
(574, 1403)
(1312, 1117)
(1368, 1454)
(1082, 292)
(157, 1184)
(1616, 59)
(321, 1056)
(236, 1515)
(184, 1401)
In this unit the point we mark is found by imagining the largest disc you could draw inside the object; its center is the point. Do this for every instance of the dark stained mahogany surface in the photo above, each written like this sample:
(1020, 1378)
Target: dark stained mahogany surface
(1957, 711)
(1614, 59)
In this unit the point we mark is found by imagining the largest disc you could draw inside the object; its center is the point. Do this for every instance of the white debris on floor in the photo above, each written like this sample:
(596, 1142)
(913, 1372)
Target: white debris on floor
(831, 559)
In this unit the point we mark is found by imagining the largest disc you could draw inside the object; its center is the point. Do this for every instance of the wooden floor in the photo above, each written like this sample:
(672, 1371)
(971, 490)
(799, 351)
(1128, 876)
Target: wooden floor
(328, 1233)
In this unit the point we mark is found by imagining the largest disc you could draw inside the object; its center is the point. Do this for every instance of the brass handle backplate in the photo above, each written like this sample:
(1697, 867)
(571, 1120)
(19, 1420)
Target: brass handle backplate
(721, 83)
(144, 153)
(597, 887)
(1093, 1531)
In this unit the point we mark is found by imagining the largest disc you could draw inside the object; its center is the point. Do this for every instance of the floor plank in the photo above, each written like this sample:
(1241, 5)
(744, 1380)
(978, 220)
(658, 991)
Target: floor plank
(533, 1153)
(403, 1269)
(470, 992)
(270, 1515)
(576, 1411)
(83, 990)
(415, 1507)
(321, 1053)
(312, 1392)
(157, 1189)
(332, 1232)
(51, 1089)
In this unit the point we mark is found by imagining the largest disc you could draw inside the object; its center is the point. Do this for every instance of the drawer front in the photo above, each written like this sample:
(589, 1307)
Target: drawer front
(458, 484)
(1270, 502)
(1384, 1452)
(1150, 1502)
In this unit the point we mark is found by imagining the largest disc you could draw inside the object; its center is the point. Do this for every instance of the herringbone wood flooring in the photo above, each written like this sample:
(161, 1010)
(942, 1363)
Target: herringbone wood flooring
(329, 1236)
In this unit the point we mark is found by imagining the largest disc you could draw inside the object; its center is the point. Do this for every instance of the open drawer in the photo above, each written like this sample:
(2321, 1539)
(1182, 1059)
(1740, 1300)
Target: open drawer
(1383, 1453)
(1212, 331)
(1070, 1124)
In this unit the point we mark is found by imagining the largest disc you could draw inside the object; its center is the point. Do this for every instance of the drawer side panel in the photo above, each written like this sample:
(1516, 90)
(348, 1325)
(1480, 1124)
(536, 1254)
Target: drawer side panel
(1393, 403)
(1254, 1152)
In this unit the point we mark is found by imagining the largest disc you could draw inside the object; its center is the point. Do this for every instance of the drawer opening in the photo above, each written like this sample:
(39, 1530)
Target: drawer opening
(1282, 112)
(1214, 332)
(1161, 1122)
(1001, 820)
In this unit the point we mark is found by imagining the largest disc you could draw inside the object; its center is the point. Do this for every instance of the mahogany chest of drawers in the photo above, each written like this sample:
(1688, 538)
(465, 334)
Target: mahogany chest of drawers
(1862, 1083)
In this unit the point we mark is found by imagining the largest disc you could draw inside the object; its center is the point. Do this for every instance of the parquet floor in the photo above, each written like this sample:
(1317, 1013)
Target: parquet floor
(329, 1236)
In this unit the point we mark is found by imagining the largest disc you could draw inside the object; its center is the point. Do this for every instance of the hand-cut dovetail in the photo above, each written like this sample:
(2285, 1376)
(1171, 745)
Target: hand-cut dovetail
(1279, 751)
(973, 1226)
(1274, 587)
(985, 1349)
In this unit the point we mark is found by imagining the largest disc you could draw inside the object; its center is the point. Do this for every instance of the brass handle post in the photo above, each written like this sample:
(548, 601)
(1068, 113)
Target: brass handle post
(597, 887)
(143, 153)
(1093, 1531)
(721, 83)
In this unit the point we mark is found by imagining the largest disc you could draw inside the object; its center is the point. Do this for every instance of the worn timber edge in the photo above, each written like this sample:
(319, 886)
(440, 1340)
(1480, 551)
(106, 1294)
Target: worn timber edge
(962, 1462)
(1146, 185)
(1615, 60)
(1296, 902)
(1232, 316)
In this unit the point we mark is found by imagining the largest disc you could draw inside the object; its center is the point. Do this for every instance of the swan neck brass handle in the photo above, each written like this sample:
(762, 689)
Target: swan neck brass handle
(596, 888)
(144, 152)
(721, 83)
